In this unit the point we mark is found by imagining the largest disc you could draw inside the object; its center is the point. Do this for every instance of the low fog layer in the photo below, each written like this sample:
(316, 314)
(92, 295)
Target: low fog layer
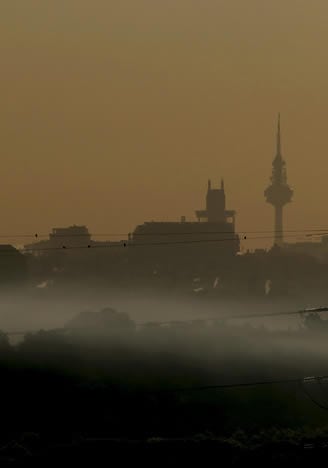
(198, 332)
(238, 348)
(105, 372)
(45, 309)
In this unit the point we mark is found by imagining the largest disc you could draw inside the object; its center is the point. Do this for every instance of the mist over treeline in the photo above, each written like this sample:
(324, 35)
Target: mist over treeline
(72, 367)
(102, 373)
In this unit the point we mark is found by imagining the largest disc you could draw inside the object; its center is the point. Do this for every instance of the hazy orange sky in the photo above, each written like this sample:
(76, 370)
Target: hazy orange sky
(117, 112)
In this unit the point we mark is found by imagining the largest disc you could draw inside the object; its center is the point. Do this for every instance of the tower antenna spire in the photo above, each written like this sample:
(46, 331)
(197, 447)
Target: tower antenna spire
(278, 137)
(279, 193)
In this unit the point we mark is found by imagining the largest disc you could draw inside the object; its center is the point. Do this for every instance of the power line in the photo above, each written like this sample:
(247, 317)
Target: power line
(177, 322)
(318, 380)
(112, 234)
(121, 244)
(133, 244)
(239, 385)
(301, 381)
(277, 314)
(242, 316)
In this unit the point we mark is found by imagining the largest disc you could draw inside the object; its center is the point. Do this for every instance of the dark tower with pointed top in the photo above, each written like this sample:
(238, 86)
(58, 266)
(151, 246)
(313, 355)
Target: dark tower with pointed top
(278, 193)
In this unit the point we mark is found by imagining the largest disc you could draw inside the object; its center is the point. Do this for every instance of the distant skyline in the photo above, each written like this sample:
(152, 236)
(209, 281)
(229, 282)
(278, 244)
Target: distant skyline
(115, 113)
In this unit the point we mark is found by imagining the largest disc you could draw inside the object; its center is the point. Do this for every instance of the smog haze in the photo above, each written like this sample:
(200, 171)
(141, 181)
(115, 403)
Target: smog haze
(114, 113)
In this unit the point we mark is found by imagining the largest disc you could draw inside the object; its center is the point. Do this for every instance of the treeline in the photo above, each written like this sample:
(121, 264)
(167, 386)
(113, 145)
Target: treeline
(105, 378)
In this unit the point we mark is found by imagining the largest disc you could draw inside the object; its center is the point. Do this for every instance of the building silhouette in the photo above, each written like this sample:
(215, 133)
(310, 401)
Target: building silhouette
(279, 192)
(161, 252)
(178, 249)
(213, 223)
(215, 211)
(64, 237)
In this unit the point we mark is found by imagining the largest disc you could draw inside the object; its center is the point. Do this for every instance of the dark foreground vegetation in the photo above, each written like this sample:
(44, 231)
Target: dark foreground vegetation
(104, 389)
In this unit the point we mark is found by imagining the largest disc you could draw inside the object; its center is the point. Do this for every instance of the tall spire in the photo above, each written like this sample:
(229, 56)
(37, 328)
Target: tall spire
(278, 138)
(278, 193)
